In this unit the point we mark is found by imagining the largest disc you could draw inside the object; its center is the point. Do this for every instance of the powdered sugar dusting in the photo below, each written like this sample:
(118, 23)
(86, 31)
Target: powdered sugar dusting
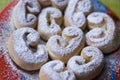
(49, 15)
(26, 18)
(78, 19)
(95, 19)
(76, 39)
(106, 36)
(55, 70)
(7, 27)
(84, 6)
(73, 15)
(82, 68)
(21, 46)
(27, 75)
(5, 32)
(68, 75)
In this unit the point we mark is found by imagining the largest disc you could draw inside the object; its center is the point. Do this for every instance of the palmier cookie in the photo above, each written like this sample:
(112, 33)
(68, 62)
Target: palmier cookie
(25, 13)
(25, 49)
(69, 44)
(88, 65)
(50, 20)
(75, 13)
(55, 70)
(103, 34)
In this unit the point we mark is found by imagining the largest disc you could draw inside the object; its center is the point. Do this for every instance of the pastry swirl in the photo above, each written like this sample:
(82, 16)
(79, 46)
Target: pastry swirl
(49, 23)
(25, 49)
(55, 70)
(88, 65)
(75, 13)
(65, 46)
(24, 13)
(103, 33)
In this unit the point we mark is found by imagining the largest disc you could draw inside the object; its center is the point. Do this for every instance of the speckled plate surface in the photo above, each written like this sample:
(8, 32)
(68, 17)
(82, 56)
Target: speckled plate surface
(9, 71)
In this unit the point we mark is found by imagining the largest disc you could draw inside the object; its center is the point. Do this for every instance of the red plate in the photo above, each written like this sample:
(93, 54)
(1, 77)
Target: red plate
(9, 71)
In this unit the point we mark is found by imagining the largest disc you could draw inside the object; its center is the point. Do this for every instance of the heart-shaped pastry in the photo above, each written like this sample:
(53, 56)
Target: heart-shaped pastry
(103, 34)
(65, 46)
(55, 70)
(88, 65)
